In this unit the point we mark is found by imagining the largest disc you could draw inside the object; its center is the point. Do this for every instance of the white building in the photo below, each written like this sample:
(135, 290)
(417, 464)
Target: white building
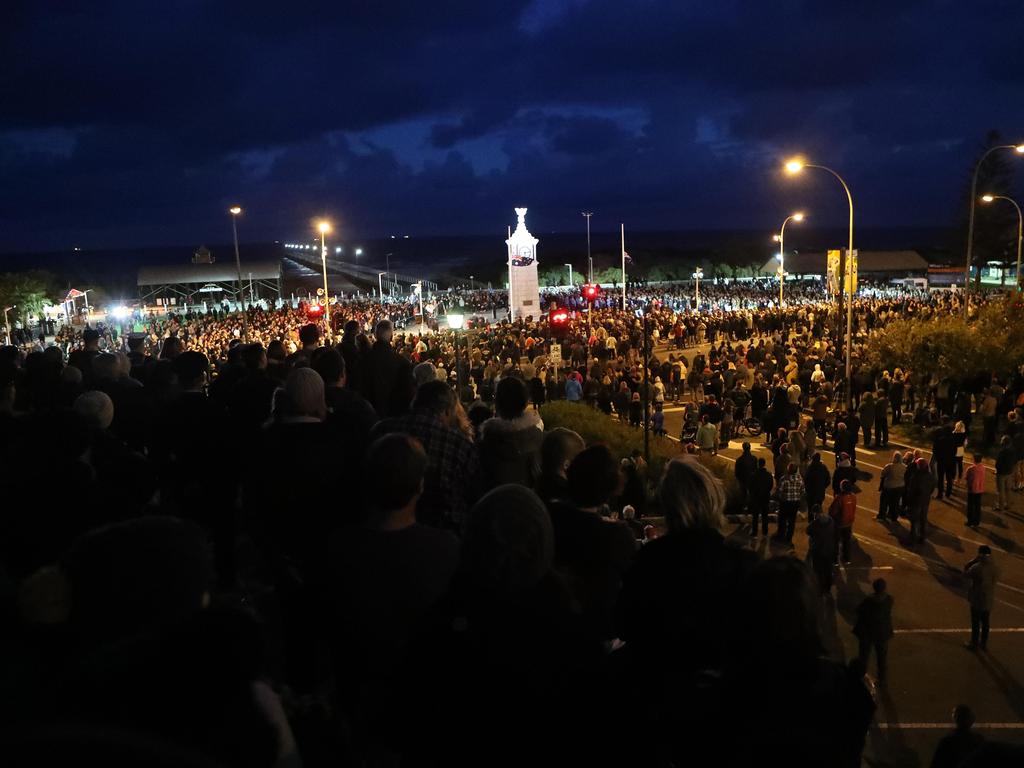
(523, 289)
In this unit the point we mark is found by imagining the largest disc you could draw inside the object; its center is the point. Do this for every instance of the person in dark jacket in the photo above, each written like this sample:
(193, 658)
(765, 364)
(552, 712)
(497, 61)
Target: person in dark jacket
(874, 627)
(844, 471)
(816, 481)
(388, 383)
(760, 497)
(510, 442)
(845, 441)
(919, 496)
(944, 455)
(745, 469)
(592, 552)
(955, 748)
(823, 538)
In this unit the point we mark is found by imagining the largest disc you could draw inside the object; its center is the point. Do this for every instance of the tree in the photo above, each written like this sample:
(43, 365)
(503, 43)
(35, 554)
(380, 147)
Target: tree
(28, 291)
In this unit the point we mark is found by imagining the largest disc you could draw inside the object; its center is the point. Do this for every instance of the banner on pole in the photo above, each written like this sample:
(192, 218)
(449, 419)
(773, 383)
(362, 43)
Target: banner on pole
(832, 271)
(850, 284)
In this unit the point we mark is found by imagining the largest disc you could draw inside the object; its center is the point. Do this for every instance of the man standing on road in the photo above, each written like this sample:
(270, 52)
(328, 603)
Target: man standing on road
(760, 497)
(822, 534)
(791, 493)
(866, 412)
(874, 627)
(974, 479)
(844, 512)
(1006, 462)
(707, 437)
(944, 456)
(881, 420)
(890, 488)
(845, 441)
(816, 481)
(820, 416)
(982, 575)
(745, 469)
(919, 496)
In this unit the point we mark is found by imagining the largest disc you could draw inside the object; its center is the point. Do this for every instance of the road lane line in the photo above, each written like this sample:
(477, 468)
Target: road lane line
(947, 726)
(955, 631)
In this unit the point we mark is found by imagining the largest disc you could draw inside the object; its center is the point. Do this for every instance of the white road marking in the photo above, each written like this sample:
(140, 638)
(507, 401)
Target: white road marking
(947, 726)
(955, 631)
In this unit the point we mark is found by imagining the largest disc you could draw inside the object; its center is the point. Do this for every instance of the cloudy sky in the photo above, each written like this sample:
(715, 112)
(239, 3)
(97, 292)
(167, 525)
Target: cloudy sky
(130, 123)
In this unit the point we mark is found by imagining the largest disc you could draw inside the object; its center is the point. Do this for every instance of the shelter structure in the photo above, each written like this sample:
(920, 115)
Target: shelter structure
(210, 282)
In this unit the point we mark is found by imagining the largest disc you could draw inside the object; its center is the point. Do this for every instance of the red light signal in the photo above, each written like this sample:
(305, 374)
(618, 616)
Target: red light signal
(590, 292)
(558, 319)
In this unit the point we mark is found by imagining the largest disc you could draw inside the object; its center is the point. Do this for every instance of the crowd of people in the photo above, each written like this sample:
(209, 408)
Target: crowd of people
(274, 544)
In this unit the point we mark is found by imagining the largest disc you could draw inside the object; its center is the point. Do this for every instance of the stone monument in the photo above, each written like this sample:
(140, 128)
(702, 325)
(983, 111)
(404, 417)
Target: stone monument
(523, 288)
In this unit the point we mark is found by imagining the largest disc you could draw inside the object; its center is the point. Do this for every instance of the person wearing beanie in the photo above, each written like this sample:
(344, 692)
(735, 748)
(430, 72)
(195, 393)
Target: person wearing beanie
(96, 409)
(303, 397)
(591, 551)
(424, 372)
(844, 471)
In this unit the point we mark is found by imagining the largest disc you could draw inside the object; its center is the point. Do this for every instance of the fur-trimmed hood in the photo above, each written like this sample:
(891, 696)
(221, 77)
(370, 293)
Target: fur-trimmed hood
(497, 426)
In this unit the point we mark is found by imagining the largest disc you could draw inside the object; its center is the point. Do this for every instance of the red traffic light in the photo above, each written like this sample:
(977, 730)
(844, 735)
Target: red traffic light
(590, 292)
(559, 317)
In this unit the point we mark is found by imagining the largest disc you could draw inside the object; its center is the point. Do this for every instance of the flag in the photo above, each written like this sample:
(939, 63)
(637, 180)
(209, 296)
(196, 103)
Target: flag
(627, 257)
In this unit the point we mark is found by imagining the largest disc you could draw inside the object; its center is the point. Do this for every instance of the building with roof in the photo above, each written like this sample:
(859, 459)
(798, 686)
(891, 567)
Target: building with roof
(877, 264)
(211, 281)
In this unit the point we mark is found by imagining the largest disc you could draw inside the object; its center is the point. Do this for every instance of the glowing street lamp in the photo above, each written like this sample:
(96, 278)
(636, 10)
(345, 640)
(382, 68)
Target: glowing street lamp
(697, 277)
(456, 321)
(236, 211)
(1019, 149)
(324, 227)
(781, 237)
(570, 273)
(1020, 227)
(793, 167)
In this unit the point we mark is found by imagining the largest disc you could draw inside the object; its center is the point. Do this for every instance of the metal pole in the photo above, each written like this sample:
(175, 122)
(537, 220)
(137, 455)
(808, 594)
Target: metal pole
(647, 391)
(238, 266)
(1020, 234)
(327, 298)
(623, 228)
(590, 261)
(782, 259)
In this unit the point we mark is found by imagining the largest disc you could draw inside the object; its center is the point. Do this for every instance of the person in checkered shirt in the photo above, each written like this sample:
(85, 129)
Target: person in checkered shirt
(791, 493)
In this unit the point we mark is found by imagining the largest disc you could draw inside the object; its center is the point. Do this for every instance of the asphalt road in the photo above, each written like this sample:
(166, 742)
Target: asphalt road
(930, 670)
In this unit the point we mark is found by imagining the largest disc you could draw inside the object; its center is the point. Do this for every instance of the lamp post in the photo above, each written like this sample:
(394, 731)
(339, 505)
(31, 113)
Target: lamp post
(380, 285)
(235, 212)
(1019, 149)
(324, 227)
(419, 292)
(590, 261)
(1020, 228)
(794, 167)
(456, 320)
(570, 273)
(697, 277)
(7, 324)
(798, 216)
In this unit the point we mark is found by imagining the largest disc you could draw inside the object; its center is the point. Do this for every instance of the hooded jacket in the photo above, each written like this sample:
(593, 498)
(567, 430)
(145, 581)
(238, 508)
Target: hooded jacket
(510, 449)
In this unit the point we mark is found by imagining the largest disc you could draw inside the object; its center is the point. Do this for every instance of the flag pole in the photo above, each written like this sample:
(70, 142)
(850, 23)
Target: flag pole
(511, 315)
(623, 226)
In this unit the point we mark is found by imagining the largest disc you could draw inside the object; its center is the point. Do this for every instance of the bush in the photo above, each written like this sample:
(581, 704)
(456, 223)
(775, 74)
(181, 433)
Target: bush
(594, 427)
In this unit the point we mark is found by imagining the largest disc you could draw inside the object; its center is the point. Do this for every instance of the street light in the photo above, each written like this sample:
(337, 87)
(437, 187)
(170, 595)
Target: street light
(324, 227)
(380, 285)
(1019, 149)
(697, 276)
(795, 166)
(570, 273)
(798, 217)
(456, 321)
(590, 261)
(7, 324)
(236, 211)
(359, 252)
(1020, 227)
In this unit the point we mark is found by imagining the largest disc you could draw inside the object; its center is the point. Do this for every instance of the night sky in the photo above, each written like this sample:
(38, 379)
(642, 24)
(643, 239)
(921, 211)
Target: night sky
(137, 122)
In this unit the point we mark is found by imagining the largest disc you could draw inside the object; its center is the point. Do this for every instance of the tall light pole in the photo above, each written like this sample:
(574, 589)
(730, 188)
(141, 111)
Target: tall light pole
(794, 167)
(380, 285)
(456, 320)
(590, 261)
(623, 229)
(781, 237)
(7, 324)
(570, 273)
(1020, 228)
(324, 227)
(236, 211)
(1019, 149)
(697, 277)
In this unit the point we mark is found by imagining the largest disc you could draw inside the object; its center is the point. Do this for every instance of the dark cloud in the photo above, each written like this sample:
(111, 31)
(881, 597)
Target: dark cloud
(127, 122)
